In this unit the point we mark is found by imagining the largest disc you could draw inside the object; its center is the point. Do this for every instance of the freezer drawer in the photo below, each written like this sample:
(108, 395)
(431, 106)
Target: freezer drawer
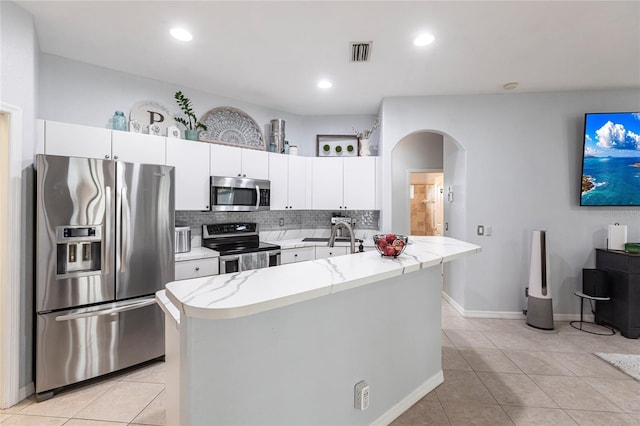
(80, 344)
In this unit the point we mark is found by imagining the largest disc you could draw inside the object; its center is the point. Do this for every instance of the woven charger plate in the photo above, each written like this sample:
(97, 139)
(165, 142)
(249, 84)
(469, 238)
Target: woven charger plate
(232, 126)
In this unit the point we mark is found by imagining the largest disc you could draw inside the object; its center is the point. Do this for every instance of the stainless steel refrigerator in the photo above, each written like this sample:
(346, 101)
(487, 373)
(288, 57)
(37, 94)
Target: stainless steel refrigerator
(104, 240)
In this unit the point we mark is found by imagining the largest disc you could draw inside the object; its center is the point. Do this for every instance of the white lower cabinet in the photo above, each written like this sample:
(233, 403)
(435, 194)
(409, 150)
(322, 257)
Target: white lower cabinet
(197, 268)
(294, 255)
(322, 252)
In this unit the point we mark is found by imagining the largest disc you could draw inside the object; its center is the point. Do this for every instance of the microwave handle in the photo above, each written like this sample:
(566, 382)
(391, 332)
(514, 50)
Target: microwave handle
(258, 197)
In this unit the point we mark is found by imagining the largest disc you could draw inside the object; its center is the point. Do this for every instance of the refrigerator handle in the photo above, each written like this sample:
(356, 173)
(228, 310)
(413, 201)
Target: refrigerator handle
(110, 311)
(123, 228)
(107, 232)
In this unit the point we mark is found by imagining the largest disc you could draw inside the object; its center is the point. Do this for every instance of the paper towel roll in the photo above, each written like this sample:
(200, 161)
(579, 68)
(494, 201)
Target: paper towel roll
(617, 237)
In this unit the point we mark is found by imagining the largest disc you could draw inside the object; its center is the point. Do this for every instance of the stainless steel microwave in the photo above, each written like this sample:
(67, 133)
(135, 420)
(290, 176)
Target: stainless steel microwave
(235, 194)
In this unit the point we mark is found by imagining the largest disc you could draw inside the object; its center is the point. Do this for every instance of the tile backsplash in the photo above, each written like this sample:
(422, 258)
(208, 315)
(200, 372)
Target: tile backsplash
(270, 220)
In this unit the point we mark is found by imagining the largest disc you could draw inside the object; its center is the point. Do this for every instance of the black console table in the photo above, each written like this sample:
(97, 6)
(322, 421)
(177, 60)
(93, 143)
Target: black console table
(623, 273)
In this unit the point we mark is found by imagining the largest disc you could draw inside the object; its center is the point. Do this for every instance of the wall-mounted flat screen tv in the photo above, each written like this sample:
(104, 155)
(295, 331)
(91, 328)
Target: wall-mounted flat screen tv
(611, 160)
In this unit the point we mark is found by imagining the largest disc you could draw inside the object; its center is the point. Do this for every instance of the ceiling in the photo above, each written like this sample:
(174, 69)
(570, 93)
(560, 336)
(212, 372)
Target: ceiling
(273, 53)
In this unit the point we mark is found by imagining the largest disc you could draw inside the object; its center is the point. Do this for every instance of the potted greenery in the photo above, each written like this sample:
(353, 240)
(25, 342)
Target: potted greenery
(191, 123)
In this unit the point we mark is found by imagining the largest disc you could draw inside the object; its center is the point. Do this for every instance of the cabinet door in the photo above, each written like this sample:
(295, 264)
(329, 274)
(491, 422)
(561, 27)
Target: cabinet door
(295, 255)
(360, 183)
(77, 141)
(191, 160)
(297, 182)
(255, 164)
(197, 268)
(326, 183)
(279, 177)
(225, 160)
(323, 252)
(138, 147)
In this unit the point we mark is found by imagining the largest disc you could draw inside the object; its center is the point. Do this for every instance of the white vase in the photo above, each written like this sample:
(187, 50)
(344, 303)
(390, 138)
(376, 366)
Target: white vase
(364, 148)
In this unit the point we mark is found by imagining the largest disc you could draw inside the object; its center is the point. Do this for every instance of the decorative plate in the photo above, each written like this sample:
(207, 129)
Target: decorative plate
(232, 126)
(150, 112)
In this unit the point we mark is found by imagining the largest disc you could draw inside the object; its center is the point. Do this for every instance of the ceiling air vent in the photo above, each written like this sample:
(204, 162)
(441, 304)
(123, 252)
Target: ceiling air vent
(360, 51)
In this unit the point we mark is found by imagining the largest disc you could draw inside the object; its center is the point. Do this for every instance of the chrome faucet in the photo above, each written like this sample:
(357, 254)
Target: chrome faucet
(334, 231)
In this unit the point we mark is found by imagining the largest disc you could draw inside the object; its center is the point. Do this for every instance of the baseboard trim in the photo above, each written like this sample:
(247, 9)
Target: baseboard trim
(508, 315)
(481, 314)
(26, 391)
(408, 401)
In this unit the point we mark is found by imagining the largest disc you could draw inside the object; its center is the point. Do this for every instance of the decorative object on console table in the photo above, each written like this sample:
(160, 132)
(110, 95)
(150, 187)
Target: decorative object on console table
(146, 113)
(190, 123)
(364, 138)
(336, 146)
(231, 126)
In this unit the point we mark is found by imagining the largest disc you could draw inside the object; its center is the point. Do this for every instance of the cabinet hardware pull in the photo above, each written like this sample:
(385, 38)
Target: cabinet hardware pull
(115, 157)
(106, 156)
(197, 268)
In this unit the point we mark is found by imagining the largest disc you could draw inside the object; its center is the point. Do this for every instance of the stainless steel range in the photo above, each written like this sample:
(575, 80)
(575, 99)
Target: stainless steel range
(239, 246)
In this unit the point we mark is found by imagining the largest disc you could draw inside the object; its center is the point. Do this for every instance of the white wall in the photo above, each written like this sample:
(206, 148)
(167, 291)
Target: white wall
(417, 151)
(80, 93)
(18, 86)
(523, 154)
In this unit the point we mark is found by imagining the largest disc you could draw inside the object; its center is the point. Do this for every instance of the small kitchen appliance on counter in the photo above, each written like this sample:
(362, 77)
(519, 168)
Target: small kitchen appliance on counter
(239, 246)
(104, 246)
(183, 239)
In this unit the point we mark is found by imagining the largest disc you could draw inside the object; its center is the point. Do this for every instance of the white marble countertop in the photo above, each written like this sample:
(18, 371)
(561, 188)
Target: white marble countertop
(292, 238)
(197, 253)
(250, 292)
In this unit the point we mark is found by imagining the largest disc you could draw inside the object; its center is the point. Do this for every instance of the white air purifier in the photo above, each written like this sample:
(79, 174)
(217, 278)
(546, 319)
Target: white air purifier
(539, 304)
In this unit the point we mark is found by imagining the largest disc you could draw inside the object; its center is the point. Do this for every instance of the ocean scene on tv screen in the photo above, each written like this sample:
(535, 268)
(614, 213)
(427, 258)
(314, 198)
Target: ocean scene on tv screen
(611, 168)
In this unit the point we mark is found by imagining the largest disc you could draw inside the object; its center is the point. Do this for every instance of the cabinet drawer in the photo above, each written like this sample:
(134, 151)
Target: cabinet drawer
(196, 268)
(296, 255)
(324, 252)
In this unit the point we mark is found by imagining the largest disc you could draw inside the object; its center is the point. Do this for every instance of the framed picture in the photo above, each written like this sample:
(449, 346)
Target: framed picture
(336, 146)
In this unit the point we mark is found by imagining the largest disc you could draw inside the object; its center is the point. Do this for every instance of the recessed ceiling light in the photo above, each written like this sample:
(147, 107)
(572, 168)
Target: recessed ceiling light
(181, 34)
(424, 40)
(324, 84)
(510, 86)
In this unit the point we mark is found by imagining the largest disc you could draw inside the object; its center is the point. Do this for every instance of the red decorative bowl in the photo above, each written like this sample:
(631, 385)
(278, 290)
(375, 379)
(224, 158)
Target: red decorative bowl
(390, 245)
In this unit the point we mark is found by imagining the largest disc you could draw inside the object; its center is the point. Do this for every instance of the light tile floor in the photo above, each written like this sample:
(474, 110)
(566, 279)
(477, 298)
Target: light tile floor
(497, 372)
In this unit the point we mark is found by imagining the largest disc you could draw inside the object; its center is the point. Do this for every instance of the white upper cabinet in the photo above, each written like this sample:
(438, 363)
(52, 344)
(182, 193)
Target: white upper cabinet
(327, 180)
(288, 176)
(239, 162)
(73, 140)
(344, 183)
(359, 183)
(225, 160)
(191, 162)
(298, 182)
(138, 147)
(255, 164)
(279, 177)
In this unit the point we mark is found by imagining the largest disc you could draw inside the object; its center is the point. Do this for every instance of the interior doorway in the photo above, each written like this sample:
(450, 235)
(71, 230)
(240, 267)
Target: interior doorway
(426, 195)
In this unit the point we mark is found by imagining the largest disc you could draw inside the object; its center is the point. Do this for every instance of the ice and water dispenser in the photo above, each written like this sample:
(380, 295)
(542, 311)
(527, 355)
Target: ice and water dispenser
(79, 250)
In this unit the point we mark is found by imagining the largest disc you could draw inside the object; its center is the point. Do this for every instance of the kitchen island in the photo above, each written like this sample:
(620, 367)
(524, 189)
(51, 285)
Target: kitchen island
(288, 344)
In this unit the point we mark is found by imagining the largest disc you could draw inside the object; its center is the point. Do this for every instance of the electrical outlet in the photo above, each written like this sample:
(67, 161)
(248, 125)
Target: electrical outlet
(281, 221)
(361, 396)
(480, 230)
